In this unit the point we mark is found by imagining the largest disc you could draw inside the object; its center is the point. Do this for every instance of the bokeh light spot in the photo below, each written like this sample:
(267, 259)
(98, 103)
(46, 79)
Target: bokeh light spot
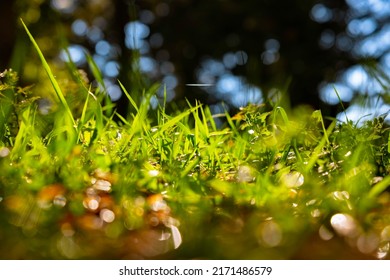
(146, 16)
(344, 224)
(76, 53)
(325, 234)
(162, 9)
(135, 34)
(103, 48)
(228, 83)
(331, 94)
(241, 57)
(147, 64)
(107, 215)
(272, 45)
(320, 13)
(64, 6)
(95, 34)
(367, 243)
(327, 39)
(361, 27)
(4, 152)
(293, 179)
(114, 92)
(156, 40)
(229, 60)
(270, 234)
(79, 27)
(111, 69)
(153, 173)
(245, 174)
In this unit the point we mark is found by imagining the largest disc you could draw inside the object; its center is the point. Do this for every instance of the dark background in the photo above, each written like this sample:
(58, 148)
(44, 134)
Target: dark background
(191, 32)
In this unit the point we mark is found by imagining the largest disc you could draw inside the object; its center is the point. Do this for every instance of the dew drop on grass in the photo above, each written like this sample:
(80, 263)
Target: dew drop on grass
(348, 154)
(376, 180)
(153, 173)
(311, 202)
(101, 185)
(343, 195)
(293, 179)
(315, 213)
(244, 174)
(4, 152)
(44, 106)
(59, 200)
(28, 179)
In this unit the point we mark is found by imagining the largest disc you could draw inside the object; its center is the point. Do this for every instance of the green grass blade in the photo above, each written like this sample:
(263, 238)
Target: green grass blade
(231, 124)
(175, 120)
(317, 151)
(341, 103)
(82, 118)
(60, 96)
(21, 137)
(282, 113)
(95, 70)
(131, 100)
(99, 78)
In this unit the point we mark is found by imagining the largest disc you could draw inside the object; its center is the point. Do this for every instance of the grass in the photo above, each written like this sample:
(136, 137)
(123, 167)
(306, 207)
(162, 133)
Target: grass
(80, 181)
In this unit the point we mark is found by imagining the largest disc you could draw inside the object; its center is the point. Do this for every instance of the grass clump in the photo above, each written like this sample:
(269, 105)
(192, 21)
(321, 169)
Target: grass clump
(80, 181)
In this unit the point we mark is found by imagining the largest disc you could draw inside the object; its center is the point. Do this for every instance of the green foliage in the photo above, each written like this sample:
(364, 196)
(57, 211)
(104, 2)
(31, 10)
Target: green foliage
(81, 181)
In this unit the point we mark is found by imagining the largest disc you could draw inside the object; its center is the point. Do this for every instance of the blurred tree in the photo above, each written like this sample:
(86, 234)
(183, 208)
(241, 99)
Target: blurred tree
(7, 32)
(194, 30)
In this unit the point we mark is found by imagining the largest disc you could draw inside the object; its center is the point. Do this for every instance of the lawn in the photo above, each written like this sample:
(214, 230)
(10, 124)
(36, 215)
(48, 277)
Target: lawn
(80, 181)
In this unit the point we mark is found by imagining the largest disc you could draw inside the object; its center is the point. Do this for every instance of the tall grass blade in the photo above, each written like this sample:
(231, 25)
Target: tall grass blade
(99, 78)
(60, 96)
(131, 100)
(341, 103)
(379, 187)
(317, 151)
